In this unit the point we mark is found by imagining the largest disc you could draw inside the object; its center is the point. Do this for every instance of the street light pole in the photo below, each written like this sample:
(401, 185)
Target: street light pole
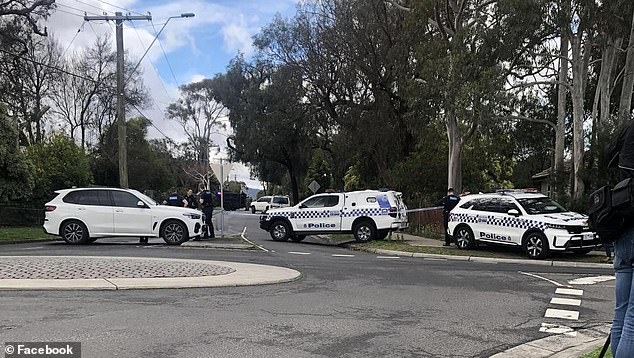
(222, 200)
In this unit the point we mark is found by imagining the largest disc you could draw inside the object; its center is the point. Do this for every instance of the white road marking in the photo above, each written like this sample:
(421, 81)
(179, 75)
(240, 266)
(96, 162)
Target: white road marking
(565, 301)
(557, 329)
(244, 231)
(543, 278)
(299, 253)
(568, 291)
(562, 314)
(341, 255)
(388, 257)
(434, 259)
(33, 248)
(590, 280)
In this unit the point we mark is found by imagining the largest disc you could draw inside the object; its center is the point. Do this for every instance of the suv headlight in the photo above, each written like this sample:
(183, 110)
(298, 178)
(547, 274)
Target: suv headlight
(557, 227)
(192, 216)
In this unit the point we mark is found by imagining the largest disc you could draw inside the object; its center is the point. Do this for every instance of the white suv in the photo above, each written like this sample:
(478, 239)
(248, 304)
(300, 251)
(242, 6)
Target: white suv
(533, 221)
(82, 215)
(265, 203)
(368, 215)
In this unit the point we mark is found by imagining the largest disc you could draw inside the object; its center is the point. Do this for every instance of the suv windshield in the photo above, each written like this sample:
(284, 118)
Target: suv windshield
(537, 206)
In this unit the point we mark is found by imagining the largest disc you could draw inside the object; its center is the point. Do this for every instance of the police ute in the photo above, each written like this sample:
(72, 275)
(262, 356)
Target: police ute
(532, 221)
(368, 215)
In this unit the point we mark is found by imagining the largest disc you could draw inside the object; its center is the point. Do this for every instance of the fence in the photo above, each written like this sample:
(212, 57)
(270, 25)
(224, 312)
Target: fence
(21, 215)
(427, 222)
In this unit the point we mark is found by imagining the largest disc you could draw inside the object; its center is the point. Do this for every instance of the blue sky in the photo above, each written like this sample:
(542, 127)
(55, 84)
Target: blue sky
(195, 48)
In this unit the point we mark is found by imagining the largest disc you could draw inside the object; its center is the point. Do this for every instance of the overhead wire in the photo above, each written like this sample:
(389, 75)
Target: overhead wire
(74, 37)
(169, 65)
(60, 70)
(77, 9)
(120, 8)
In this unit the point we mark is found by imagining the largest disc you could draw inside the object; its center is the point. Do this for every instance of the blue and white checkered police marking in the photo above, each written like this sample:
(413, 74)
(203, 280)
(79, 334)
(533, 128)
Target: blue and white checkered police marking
(499, 221)
(319, 214)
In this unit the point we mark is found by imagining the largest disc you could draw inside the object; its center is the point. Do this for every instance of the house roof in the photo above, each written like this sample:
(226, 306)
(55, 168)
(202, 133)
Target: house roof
(546, 173)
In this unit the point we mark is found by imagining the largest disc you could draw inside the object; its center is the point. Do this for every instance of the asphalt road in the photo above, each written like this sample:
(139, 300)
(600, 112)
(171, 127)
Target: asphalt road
(348, 304)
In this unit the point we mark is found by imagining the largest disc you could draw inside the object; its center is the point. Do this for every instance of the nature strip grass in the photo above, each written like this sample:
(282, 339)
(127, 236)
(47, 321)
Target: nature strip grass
(21, 234)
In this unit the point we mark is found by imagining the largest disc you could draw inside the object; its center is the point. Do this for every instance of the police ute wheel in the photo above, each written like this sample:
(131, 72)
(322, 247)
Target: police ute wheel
(463, 235)
(364, 231)
(298, 238)
(280, 231)
(536, 246)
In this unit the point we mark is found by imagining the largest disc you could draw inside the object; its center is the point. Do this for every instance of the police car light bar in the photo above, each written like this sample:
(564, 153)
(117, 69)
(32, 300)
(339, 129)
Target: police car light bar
(526, 190)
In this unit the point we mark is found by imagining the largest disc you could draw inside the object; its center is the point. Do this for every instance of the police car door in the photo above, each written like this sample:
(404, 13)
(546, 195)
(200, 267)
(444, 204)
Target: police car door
(320, 213)
(511, 224)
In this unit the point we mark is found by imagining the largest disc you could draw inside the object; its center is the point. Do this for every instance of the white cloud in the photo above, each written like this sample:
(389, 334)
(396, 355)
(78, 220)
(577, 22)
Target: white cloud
(197, 78)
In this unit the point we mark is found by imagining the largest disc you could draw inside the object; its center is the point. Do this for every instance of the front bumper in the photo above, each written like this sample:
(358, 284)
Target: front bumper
(571, 242)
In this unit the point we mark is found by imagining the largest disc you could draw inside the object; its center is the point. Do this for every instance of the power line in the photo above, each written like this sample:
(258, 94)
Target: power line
(48, 66)
(74, 37)
(120, 8)
(69, 13)
(88, 4)
(152, 124)
(76, 9)
(169, 65)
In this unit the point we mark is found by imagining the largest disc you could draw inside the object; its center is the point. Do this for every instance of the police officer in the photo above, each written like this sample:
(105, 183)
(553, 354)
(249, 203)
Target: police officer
(206, 200)
(448, 202)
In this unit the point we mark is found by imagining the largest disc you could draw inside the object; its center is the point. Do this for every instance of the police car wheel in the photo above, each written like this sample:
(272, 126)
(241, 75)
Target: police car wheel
(463, 236)
(280, 231)
(174, 233)
(74, 232)
(298, 238)
(536, 246)
(364, 231)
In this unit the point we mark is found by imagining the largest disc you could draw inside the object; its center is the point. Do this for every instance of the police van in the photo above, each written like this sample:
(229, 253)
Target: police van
(368, 215)
(532, 221)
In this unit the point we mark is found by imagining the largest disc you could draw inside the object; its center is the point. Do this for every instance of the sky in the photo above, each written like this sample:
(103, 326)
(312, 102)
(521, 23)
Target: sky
(188, 49)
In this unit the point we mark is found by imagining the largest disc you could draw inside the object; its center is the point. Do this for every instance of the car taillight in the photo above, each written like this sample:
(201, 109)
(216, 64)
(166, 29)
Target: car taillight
(393, 211)
(50, 207)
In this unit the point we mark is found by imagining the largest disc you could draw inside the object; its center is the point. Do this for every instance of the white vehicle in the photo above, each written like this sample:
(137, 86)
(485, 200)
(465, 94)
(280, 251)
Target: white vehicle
(270, 202)
(533, 221)
(82, 215)
(368, 215)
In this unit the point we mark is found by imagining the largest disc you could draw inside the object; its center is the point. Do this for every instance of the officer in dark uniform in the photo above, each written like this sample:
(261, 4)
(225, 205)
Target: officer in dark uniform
(206, 199)
(191, 200)
(448, 203)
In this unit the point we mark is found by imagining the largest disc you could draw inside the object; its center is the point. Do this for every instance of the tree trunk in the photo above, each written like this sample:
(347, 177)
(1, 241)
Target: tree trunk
(454, 171)
(625, 104)
(294, 185)
(560, 133)
(578, 117)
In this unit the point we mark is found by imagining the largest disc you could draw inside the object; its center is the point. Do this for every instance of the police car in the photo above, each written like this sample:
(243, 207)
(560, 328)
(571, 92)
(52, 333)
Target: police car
(368, 215)
(532, 221)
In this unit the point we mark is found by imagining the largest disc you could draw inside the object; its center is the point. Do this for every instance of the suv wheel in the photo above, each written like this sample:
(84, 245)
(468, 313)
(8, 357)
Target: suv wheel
(464, 238)
(536, 245)
(174, 232)
(364, 231)
(265, 210)
(74, 232)
(253, 210)
(280, 231)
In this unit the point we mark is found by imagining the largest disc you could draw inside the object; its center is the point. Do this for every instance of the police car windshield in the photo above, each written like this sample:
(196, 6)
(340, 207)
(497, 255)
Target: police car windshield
(537, 206)
(145, 198)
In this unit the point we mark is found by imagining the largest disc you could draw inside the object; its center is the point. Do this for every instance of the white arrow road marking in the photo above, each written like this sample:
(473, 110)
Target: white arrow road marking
(341, 255)
(565, 301)
(299, 253)
(557, 329)
(568, 291)
(590, 280)
(388, 257)
(543, 278)
(563, 314)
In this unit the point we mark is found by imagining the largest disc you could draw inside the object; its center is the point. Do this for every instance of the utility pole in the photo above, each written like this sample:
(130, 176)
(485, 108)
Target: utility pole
(118, 18)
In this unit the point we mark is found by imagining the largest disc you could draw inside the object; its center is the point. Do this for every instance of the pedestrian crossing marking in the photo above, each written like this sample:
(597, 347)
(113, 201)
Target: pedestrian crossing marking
(565, 301)
(562, 314)
(568, 291)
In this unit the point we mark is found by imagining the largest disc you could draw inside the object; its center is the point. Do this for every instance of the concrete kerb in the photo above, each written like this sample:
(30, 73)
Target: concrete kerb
(480, 259)
(244, 275)
(560, 346)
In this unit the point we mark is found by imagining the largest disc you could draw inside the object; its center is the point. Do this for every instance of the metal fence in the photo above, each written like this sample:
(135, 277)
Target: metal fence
(426, 221)
(21, 215)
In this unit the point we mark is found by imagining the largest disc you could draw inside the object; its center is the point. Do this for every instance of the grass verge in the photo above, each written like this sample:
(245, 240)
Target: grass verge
(595, 353)
(10, 234)
(488, 251)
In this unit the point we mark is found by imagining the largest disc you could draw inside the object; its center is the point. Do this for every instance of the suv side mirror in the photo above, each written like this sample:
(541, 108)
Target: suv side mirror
(141, 204)
(513, 212)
